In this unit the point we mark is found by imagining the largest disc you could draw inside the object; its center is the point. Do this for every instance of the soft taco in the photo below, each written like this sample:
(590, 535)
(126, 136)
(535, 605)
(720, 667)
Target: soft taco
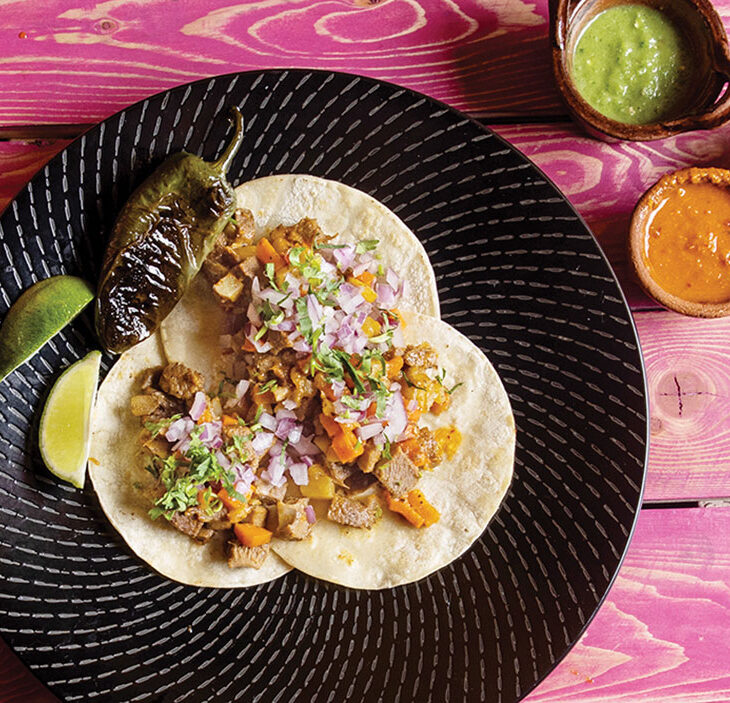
(362, 444)
(350, 215)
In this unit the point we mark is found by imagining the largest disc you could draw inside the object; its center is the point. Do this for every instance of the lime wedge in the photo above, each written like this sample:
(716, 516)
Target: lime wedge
(65, 429)
(39, 313)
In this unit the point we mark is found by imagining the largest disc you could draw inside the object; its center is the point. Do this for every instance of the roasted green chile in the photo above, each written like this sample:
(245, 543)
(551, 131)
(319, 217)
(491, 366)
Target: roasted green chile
(159, 242)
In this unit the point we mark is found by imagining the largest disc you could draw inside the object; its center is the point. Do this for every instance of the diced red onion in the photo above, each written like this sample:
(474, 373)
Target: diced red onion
(301, 345)
(349, 298)
(267, 421)
(253, 314)
(299, 473)
(179, 429)
(182, 446)
(363, 265)
(223, 460)
(276, 469)
(305, 446)
(369, 431)
(275, 449)
(392, 279)
(386, 295)
(285, 414)
(289, 404)
(198, 406)
(344, 256)
(314, 310)
(295, 434)
(241, 487)
(397, 419)
(278, 481)
(338, 388)
(307, 460)
(284, 427)
(262, 442)
(209, 431)
(309, 512)
(216, 442)
(241, 388)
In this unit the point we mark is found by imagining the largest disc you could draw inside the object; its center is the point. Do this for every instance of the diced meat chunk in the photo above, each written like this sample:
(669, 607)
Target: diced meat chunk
(191, 526)
(143, 404)
(248, 268)
(369, 457)
(242, 230)
(257, 515)
(213, 269)
(240, 556)
(166, 406)
(354, 513)
(429, 445)
(399, 476)
(180, 381)
(288, 520)
(423, 355)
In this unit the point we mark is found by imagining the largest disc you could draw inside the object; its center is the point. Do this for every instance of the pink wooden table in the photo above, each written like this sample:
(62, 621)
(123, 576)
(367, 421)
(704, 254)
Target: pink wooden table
(663, 634)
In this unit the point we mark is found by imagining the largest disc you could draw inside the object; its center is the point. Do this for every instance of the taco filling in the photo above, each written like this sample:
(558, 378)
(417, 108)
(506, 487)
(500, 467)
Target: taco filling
(318, 413)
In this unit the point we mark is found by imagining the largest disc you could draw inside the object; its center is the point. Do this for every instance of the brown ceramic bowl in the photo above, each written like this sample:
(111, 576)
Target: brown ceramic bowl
(706, 107)
(643, 211)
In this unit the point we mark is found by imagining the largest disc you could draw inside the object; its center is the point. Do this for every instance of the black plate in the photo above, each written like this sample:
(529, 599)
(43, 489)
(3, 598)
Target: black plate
(518, 272)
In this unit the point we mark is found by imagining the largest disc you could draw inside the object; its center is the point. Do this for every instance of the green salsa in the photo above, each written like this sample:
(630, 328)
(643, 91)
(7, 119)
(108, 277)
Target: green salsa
(632, 64)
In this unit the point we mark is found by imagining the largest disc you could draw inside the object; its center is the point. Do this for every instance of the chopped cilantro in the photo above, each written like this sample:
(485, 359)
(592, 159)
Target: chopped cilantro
(154, 428)
(366, 245)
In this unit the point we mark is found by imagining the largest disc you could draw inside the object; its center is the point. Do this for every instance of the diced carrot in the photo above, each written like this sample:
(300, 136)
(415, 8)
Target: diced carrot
(347, 446)
(393, 367)
(414, 452)
(266, 254)
(372, 409)
(202, 500)
(404, 508)
(251, 535)
(206, 416)
(332, 427)
(413, 415)
(248, 346)
(449, 439)
(367, 278)
(229, 420)
(418, 502)
(229, 501)
(371, 327)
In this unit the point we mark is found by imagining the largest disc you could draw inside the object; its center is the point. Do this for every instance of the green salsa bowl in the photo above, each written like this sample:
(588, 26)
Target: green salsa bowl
(641, 69)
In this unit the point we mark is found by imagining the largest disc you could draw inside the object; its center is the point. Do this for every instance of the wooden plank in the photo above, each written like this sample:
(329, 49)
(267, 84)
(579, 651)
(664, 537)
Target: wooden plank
(688, 372)
(79, 64)
(661, 636)
(605, 180)
(19, 161)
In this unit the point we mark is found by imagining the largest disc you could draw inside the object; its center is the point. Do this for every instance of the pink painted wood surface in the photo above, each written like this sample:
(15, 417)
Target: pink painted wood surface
(662, 634)
(660, 637)
(688, 371)
(82, 61)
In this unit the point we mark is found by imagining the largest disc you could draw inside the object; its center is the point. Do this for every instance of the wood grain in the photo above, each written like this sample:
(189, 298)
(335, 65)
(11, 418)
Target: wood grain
(79, 63)
(688, 371)
(661, 635)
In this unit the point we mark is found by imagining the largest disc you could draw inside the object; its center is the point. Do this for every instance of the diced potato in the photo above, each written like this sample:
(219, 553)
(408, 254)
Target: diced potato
(320, 484)
(229, 288)
(143, 405)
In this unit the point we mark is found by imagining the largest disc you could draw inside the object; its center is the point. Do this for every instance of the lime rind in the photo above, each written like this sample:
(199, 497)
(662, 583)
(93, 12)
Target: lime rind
(64, 435)
(37, 315)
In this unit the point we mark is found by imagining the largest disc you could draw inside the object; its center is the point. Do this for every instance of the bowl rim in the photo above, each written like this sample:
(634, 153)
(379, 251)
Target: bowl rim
(716, 113)
(716, 176)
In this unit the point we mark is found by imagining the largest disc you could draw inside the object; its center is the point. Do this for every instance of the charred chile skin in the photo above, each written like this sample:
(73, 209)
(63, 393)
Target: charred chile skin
(159, 242)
